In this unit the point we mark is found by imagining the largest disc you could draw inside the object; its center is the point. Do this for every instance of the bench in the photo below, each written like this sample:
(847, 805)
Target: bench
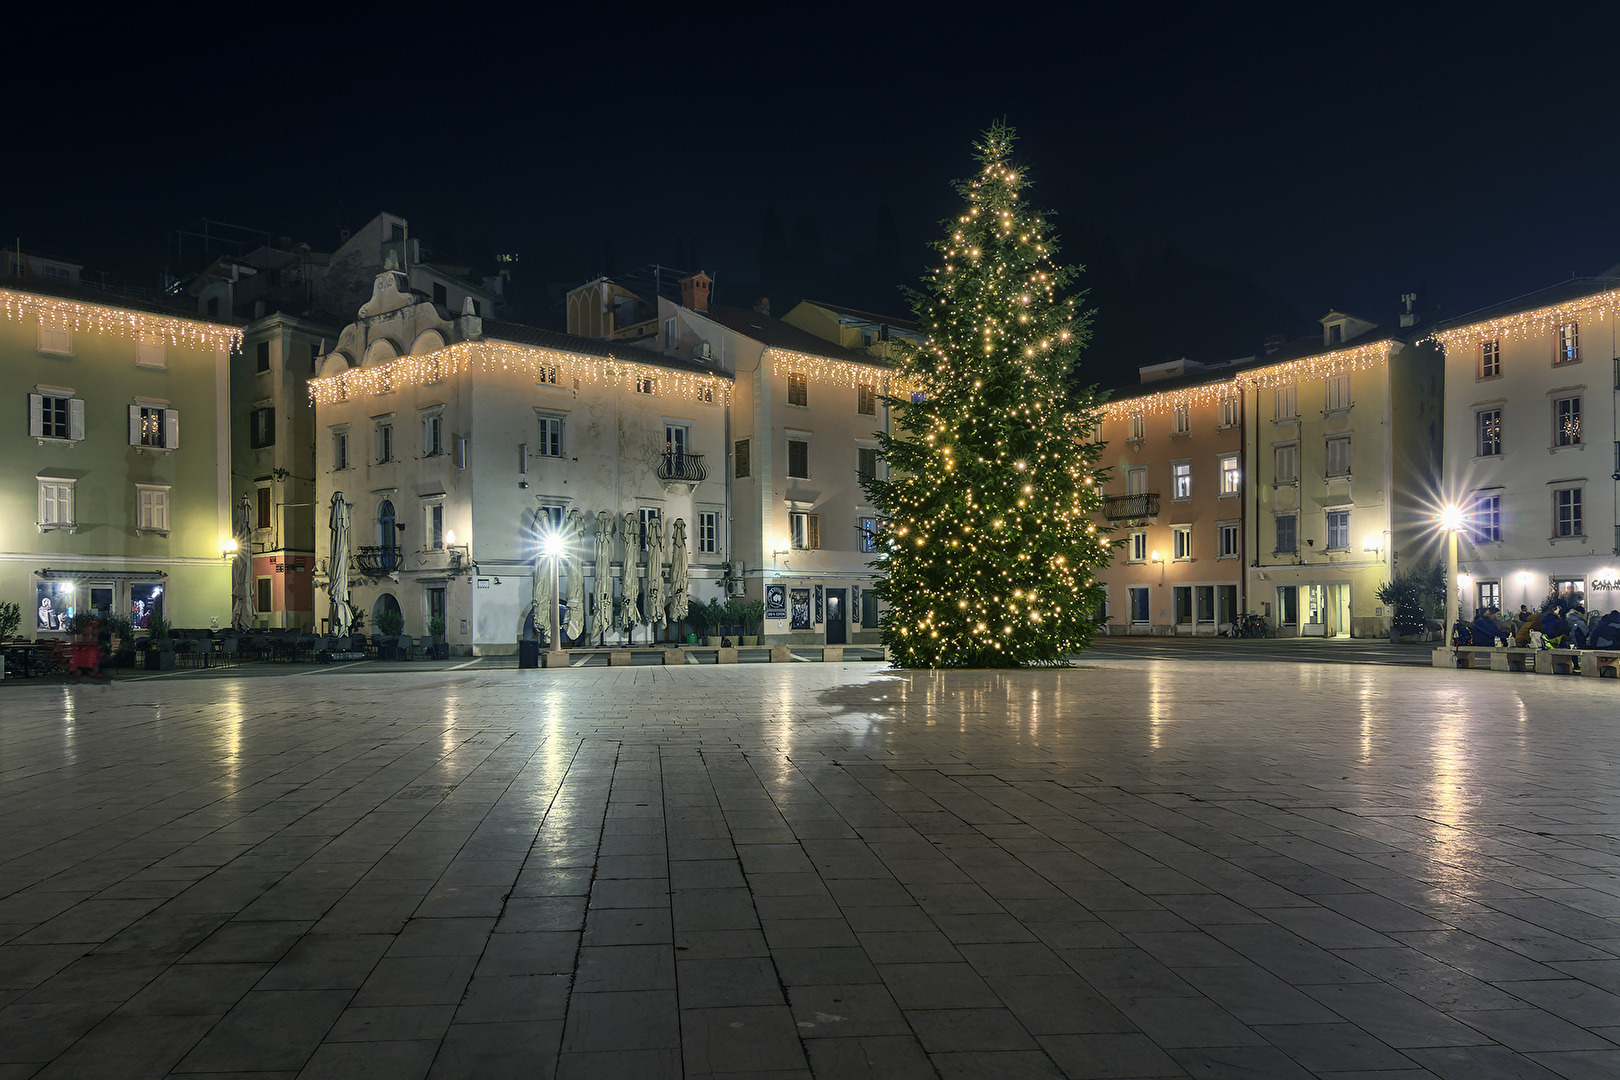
(1596, 663)
(1600, 664)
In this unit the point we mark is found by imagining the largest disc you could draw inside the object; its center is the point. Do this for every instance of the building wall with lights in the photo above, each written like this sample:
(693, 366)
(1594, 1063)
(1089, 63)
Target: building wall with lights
(1343, 447)
(117, 488)
(1175, 505)
(1531, 451)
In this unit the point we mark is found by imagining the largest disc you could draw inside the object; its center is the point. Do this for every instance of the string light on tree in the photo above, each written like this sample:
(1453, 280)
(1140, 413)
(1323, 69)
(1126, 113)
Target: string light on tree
(987, 552)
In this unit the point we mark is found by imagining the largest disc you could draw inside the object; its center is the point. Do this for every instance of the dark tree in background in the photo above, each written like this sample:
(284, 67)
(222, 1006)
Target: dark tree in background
(988, 554)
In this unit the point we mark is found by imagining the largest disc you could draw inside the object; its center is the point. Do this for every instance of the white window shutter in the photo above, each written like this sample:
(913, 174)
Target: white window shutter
(171, 429)
(64, 493)
(76, 419)
(45, 502)
(134, 425)
(36, 416)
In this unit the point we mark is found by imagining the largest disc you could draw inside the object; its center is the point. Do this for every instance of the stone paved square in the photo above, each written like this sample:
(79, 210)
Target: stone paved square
(1139, 867)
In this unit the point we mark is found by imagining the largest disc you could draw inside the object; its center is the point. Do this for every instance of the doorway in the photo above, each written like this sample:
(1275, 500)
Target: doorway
(837, 620)
(1327, 611)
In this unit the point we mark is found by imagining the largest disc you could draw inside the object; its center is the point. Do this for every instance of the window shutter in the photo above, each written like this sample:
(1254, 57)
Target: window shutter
(36, 416)
(47, 503)
(812, 531)
(75, 419)
(134, 425)
(171, 429)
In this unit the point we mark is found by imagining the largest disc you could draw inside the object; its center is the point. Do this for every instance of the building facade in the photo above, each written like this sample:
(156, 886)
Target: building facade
(1532, 390)
(118, 489)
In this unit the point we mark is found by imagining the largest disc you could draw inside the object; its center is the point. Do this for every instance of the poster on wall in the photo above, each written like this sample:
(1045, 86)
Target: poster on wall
(776, 601)
(54, 603)
(145, 604)
(820, 617)
(801, 610)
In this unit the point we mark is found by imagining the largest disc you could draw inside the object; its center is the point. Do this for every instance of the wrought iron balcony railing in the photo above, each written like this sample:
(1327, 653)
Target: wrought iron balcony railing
(378, 561)
(684, 467)
(1124, 507)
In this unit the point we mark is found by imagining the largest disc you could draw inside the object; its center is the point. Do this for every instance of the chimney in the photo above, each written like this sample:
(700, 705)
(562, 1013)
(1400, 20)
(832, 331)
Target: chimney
(762, 306)
(695, 291)
(1408, 316)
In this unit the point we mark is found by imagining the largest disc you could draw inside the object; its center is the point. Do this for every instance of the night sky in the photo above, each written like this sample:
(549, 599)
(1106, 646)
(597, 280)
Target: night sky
(1223, 180)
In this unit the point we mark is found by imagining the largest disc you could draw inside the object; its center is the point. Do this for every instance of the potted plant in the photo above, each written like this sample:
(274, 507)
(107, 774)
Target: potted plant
(714, 622)
(389, 624)
(159, 645)
(10, 619)
(440, 650)
(752, 613)
(121, 642)
(697, 619)
(1409, 595)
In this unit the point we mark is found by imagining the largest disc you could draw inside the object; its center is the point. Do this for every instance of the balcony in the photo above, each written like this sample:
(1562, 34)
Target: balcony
(376, 562)
(682, 470)
(1126, 507)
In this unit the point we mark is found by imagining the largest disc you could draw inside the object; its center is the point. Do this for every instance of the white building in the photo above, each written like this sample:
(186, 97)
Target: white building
(1530, 445)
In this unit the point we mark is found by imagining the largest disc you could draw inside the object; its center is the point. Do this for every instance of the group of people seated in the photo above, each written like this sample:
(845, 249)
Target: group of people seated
(1562, 621)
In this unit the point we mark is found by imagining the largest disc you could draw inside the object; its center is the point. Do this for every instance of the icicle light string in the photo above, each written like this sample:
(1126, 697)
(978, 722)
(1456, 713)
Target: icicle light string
(845, 373)
(136, 325)
(1545, 320)
(494, 357)
(1312, 368)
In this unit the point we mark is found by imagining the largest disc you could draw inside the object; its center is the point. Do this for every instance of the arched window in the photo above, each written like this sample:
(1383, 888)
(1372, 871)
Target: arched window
(386, 533)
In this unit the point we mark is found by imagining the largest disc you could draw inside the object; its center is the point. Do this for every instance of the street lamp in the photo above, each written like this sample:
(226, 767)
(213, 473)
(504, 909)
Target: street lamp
(1451, 519)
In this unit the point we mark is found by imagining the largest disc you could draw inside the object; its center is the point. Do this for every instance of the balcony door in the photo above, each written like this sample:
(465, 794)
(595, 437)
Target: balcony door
(1136, 480)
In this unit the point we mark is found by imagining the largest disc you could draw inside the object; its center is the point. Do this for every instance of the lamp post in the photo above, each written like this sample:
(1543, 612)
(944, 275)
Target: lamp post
(1451, 519)
(552, 547)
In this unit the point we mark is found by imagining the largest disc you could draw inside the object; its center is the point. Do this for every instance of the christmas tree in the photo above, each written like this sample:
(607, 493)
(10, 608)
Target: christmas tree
(988, 553)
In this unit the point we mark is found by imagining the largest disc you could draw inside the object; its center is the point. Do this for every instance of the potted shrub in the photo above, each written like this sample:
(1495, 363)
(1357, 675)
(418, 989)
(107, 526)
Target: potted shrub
(714, 622)
(697, 620)
(121, 641)
(159, 645)
(752, 613)
(10, 619)
(439, 650)
(1409, 595)
(389, 624)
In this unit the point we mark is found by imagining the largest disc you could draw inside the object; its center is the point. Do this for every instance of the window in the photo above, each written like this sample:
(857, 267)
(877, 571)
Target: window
(547, 375)
(1287, 533)
(150, 351)
(261, 356)
(314, 358)
(1338, 392)
(441, 295)
(154, 426)
(1229, 539)
(705, 394)
(1204, 602)
(1136, 480)
(459, 445)
(798, 389)
(1181, 420)
(1567, 421)
(1488, 594)
(1338, 456)
(1229, 410)
(646, 384)
(1489, 427)
(550, 516)
(55, 503)
(866, 527)
(708, 531)
(1138, 550)
(54, 335)
(263, 518)
(55, 415)
(1568, 344)
(264, 595)
(434, 521)
(1226, 605)
(1490, 359)
(1181, 601)
(432, 433)
(1287, 463)
(741, 465)
(1140, 611)
(551, 441)
(676, 437)
(1567, 513)
(1286, 403)
(1135, 426)
(1231, 477)
(1338, 530)
(340, 450)
(866, 399)
(647, 514)
(866, 462)
(1335, 333)
(798, 459)
(671, 333)
(1487, 519)
(151, 508)
(1181, 480)
(262, 428)
(1181, 541)
(805, 530)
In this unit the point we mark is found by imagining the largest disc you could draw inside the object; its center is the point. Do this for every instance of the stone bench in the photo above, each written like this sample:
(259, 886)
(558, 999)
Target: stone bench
(1596, 663)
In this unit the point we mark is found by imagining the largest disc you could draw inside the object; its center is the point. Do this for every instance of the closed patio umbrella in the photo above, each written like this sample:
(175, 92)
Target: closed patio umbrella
(543, 599)
(602, 621)
(337, 577)
(655, 570)
(243, 614)
(630, 614)
(574, 531)
(678, 583)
